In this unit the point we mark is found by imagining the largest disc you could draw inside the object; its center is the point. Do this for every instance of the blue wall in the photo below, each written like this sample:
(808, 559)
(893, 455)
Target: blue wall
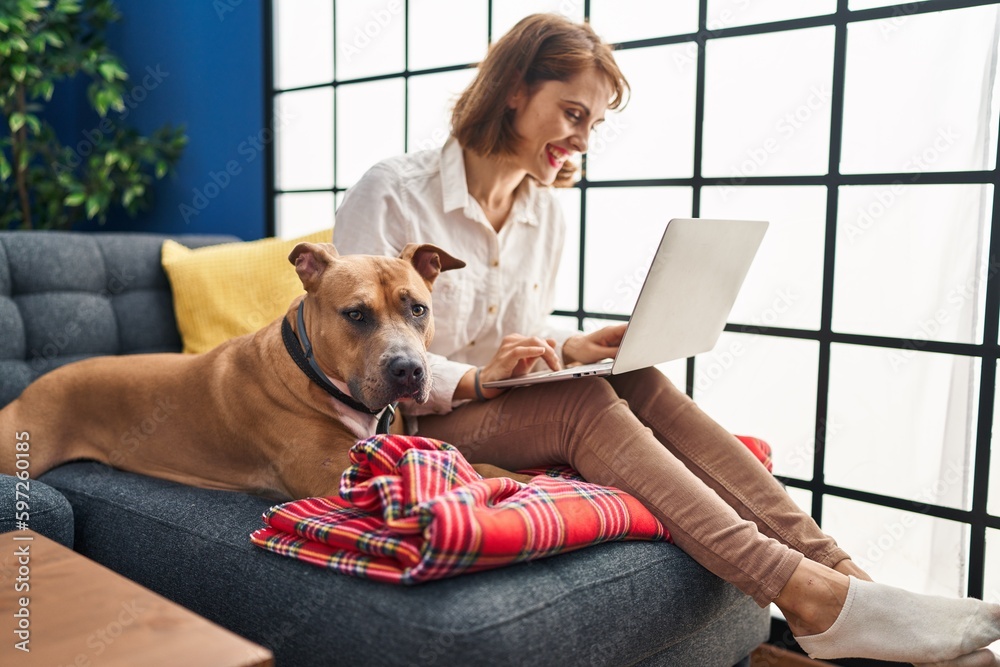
(198, 63)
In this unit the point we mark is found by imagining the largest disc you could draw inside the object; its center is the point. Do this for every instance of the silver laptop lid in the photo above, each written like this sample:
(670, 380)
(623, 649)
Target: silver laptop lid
(689, 291)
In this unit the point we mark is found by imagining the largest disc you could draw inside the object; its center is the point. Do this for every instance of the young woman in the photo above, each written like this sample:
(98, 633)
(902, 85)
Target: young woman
(484, 197)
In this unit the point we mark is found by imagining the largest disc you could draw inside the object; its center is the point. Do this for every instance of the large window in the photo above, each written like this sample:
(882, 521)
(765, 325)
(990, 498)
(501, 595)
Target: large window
(864, 344)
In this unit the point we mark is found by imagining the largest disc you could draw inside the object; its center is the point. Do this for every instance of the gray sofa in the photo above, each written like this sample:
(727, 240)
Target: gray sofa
(68, 296)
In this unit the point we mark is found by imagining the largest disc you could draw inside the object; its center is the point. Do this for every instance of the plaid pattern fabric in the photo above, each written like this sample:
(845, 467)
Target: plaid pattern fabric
(758, 448)
(413, 509)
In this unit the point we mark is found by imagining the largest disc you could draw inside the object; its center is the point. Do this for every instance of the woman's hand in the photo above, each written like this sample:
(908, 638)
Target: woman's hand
(592, 347)
(516, 356)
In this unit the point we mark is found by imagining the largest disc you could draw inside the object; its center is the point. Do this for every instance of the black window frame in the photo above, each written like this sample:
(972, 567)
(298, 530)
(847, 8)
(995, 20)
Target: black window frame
(977, 517)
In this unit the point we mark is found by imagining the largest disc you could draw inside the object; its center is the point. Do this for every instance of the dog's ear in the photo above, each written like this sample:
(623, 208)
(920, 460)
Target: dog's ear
(311, 260)
(429, 260)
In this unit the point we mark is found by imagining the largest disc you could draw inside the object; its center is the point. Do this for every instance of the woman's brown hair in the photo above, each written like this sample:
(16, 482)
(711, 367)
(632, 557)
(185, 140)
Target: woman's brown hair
(541, 47)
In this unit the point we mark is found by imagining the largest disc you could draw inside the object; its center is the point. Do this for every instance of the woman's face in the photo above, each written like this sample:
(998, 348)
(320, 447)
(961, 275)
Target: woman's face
(555, 120)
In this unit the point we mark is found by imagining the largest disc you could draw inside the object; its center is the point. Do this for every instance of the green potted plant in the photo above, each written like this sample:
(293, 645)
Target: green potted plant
(44, 184)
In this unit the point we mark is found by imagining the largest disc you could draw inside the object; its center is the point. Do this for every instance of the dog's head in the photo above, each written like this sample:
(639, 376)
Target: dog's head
(369, 318)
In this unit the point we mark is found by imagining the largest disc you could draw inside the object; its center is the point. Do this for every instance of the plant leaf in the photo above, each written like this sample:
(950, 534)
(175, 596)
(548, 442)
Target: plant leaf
(75, 198)
(53, 39)
(93, 207)
(17, 121)
(107, 70)
(101, 103)
(111, 69)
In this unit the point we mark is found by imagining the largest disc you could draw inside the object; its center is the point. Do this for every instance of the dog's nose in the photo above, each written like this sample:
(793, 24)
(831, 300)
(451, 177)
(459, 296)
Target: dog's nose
(406, 370)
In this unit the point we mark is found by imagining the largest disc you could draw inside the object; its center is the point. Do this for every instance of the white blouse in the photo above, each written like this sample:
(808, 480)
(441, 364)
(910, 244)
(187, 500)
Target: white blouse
(508, 283)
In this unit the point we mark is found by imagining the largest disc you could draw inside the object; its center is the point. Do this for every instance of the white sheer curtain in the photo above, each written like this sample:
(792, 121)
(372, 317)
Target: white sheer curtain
(911, 416)
(910, 262)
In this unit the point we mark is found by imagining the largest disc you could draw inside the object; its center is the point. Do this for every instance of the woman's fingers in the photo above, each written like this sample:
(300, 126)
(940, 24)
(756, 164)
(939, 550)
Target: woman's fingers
(516, 356)
(615, 335)
(550, 356)
(526, 356)
(609, 336)
(594, 346)
(518, 353)
(604, 342)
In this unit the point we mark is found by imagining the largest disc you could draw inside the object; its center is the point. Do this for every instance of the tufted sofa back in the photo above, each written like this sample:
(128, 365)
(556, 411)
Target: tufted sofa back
(66, 296)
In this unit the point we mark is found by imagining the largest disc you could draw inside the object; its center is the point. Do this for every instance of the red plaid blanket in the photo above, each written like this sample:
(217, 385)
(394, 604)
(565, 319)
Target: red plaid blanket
(413, 509)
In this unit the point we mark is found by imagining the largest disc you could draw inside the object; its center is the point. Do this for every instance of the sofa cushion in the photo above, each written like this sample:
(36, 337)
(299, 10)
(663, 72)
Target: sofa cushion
(636, 603)
(611, 604)
(62, 323)
(231, 289)
(67, 296)
(12, 343)
(49, 513)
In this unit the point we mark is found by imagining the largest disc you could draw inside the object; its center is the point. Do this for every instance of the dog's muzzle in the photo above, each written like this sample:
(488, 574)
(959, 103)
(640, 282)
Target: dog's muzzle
(408, 377)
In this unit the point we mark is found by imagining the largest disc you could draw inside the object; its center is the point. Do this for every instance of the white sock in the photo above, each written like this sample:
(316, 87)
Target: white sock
(887, 623)
(984, 657)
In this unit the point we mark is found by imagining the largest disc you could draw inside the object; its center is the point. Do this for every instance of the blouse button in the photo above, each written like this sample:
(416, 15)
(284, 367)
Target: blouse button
(496, 263)
(492, 309)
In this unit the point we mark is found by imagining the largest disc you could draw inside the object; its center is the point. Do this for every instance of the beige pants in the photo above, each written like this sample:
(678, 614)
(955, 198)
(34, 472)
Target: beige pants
(639, 433)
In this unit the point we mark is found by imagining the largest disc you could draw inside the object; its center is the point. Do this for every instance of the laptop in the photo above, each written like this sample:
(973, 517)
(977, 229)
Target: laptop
(683, 305)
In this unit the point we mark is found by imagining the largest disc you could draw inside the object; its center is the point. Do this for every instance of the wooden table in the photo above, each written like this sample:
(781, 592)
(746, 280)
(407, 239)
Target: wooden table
(82, 614)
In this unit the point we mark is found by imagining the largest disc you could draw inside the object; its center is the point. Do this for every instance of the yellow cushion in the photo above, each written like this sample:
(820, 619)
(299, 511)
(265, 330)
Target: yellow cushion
(228, 290)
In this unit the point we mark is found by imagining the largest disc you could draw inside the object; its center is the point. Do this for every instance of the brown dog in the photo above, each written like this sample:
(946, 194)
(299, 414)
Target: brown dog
(246, 416)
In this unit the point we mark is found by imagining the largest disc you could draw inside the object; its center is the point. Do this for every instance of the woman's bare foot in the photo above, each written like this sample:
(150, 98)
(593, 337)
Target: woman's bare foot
(813, 597)
(850, 568)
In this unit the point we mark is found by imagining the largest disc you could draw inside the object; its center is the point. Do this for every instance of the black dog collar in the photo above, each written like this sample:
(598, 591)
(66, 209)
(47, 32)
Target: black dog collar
(300, 349)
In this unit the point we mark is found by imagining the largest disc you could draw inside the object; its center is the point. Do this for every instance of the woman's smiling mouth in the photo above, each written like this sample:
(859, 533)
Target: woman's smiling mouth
(556, 155)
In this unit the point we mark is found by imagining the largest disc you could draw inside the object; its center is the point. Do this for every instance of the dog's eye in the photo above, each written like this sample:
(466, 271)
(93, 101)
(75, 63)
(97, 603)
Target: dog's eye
(355, 315)
(418, 310)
